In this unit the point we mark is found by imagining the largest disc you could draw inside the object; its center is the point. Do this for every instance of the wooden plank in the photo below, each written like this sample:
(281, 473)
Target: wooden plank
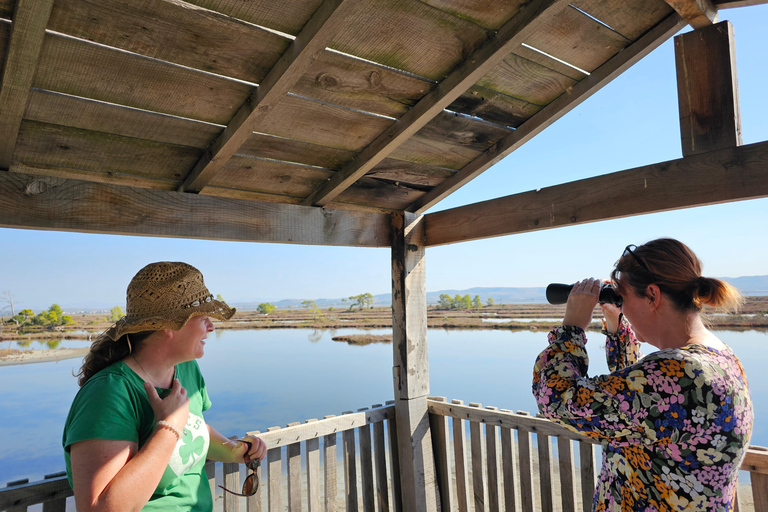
(478, 480)
(439, 428)
(329, 471)
(46, 145)
(492, 459)
(720, 176)
(588, 473)
(58, 504)
(417, 471)
(313, 473)
(18, 508)
(707, 89)
(554, 111)
(314, 37)
(81, 68)
(433, 103)
(253, 503)
(30, 18)
(493, 106)
(486, 13)
(75, 112)
(759, 491)
(261, 145)
(274, 477)
(366, 466)
(350, 469)
(380, 463)
(175, 32)
(210, 473)
(630, 18)
(293, 454)
(545, 471)
(698, 13)
(231, 479)
(460, 461)
(565, 465)
(266, 13)
(36, 202)
(730, 4)
(6, 8)
(756, 460)
(409, 173)
(394, 461)
(508, 468)
(526, 470)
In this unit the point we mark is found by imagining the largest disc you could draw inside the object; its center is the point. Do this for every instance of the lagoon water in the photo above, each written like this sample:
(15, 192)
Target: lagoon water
(263, 378)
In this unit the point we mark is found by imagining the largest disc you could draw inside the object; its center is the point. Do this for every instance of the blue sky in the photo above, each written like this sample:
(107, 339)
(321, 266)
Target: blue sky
(633, 121)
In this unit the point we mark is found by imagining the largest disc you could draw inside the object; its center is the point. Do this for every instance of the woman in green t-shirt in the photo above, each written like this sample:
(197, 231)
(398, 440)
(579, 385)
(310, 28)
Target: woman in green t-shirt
(135, 437)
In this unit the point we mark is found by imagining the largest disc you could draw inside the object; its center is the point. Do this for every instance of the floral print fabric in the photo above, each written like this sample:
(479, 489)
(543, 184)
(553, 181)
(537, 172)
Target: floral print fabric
(673, 425)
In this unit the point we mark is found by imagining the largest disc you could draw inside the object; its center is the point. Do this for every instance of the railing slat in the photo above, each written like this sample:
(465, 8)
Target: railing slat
(293, 453)
(350, 470)
(460, 460)
(476, 441)
(366, 467)
(380, 463)
(526, 470)
(58, 504)
(439, 427)
(232, 482)
(253, 503)
(275, 478)
(588, 473)
(329, 470)
(397, 497)
(545, 471)
(759, 490)
(313, 473)
(565, 462)
(492, 460)
(508, 468)
(19, 508)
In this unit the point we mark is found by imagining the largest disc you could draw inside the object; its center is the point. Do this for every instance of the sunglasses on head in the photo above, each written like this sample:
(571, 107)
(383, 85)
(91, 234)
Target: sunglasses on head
(251, 482)
(628, 249)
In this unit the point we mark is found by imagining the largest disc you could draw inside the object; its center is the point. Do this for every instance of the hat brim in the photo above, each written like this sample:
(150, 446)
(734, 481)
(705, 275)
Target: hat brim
(173, 321)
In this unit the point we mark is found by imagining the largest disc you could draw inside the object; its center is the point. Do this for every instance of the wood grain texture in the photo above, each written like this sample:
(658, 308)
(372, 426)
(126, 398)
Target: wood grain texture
(544, 450)
(36, 202)
(588, 473)
(174, 31)
(350, 469)
(460, 461)
(707, 89)
(313, 473)
(417, 469)
(760, 491)
(526, 470)
(366, 467)
(380, 465)
(630, 18)
(266, 13)
(720, 176)
(293, 456)
(30, 18)
(492, 465)
(565, 470)
(274, 477)
(509, 473)
(698, 13)
(562, 105)
(231, 480)
(439, 428)
(490, 14)
(329, 472)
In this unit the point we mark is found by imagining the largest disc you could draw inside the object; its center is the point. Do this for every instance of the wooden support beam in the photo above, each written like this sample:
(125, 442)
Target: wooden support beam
(697, 13)
(707, 89)
(554, 111)
(411, 366)
(731, 4)
(313, 39)
(30, 17)
(720, 176)
(41, 202)
(515, 32)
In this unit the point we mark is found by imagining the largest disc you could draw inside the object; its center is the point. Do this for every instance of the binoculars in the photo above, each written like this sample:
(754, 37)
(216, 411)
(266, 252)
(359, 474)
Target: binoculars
(558, 294)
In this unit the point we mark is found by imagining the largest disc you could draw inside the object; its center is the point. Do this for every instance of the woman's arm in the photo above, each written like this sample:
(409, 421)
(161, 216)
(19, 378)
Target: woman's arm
(223, 449)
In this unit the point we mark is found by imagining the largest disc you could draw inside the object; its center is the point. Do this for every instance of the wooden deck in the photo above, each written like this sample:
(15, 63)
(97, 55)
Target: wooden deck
(498, 468)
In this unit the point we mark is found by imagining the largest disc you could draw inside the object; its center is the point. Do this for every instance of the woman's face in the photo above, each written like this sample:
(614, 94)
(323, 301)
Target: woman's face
(192, 336)
(635, 308)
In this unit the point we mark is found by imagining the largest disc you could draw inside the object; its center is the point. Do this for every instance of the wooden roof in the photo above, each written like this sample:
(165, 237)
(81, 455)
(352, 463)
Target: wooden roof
(358, 106)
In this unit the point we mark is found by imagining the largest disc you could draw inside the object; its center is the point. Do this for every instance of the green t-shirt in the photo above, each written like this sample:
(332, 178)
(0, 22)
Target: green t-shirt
(114, 405)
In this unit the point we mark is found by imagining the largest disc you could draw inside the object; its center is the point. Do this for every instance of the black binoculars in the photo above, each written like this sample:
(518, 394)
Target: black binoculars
(558, 294)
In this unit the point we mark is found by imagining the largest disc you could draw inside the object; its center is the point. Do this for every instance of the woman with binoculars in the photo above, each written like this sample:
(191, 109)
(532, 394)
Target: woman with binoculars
(674, 425)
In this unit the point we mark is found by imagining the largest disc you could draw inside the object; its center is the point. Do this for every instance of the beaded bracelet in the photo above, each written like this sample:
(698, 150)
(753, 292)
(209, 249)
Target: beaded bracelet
(165, 424)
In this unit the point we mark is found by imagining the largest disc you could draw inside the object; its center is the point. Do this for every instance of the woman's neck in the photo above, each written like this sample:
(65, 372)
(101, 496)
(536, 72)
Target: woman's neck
(152, 367)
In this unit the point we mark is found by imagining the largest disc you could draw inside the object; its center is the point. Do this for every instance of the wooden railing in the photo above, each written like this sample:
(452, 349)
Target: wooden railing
(500, 471)
(292, 473)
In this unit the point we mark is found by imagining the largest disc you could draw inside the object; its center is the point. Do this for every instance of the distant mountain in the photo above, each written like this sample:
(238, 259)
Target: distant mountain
(749, 285)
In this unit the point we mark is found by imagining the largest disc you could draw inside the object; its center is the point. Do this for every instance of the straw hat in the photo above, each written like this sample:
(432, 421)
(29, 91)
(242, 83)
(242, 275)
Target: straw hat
(165, 295)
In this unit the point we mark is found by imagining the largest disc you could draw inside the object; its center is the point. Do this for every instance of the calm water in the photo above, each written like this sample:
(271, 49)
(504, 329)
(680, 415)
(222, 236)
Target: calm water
(259, 379)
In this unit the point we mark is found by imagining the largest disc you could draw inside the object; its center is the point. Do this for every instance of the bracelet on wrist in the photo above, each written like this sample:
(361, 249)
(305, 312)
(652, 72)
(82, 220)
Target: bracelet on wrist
(169, 426)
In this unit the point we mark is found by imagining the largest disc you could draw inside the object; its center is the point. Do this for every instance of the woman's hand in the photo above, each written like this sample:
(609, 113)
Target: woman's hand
(257, 449)
(611, 314)
(581, 302)
(174, 408)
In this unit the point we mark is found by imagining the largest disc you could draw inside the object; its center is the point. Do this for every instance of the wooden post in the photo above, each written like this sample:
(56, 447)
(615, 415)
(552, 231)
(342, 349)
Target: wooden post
(707, 89)
(411, 367)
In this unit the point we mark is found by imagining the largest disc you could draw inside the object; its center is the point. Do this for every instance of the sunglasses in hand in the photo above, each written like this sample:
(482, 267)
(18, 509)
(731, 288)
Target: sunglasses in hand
(251, 483)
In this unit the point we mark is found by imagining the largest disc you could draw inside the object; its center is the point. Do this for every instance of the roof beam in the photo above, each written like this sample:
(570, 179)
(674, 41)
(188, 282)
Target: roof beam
(313, 39)
(730, 4)
(30, 17)
(554, 111)
(515, 32)
(41, 202)
(721, 176)
(698, 13)
(707, 89)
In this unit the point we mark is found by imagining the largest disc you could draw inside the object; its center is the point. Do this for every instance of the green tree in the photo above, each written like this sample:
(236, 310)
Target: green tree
(266, 308)
(309, 304)
(362, 301)
(445, 302)
(490, 301)
(466, 302)
(115, 314)
(477, 303)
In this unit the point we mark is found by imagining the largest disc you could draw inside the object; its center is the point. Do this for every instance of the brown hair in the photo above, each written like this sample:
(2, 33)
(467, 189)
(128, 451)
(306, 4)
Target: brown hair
(105, 352)
(675, 269)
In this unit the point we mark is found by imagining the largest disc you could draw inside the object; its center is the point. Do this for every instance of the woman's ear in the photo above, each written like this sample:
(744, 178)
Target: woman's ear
(653, 293)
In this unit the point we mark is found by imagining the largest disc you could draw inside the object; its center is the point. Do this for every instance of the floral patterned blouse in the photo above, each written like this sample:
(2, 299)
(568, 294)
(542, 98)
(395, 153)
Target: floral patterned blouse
(673, 425)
